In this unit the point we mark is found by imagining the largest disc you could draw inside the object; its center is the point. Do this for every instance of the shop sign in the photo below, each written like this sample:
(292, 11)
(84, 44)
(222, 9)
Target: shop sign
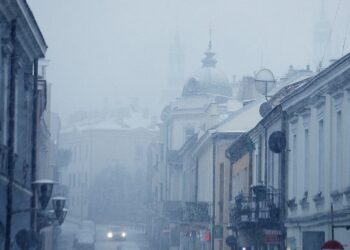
(272, 236)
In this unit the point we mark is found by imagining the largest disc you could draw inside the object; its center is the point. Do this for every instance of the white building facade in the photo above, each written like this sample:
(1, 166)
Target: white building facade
(318, 159)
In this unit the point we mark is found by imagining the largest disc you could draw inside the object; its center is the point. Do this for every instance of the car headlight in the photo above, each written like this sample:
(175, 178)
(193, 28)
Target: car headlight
(109, 235)
(123, 234)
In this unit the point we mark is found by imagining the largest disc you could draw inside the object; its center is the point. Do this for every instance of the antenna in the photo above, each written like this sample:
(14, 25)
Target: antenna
(331, 31)
(346, 35)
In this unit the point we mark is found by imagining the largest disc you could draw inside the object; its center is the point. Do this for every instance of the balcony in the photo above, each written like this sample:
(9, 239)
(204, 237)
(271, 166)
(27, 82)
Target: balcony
(186, 212)
(196, 212)
(259, 209)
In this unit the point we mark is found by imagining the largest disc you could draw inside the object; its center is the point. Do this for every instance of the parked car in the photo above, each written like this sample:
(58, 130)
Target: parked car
(84, 241)
(116, 233)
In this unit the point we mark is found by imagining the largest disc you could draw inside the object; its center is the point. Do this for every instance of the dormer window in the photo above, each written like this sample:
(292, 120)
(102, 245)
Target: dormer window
(189, 131)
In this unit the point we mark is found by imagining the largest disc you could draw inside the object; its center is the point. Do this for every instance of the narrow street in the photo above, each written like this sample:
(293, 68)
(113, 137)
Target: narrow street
(135, 239)
(175, 125)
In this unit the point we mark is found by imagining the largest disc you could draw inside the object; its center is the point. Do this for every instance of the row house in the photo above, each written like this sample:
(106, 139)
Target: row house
(257, 174)
(294, 193)
(317, 128)
(22, 103)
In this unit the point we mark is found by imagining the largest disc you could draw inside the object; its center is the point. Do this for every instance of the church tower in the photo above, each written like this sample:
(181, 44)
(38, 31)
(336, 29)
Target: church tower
(176, 68)
(322, 40)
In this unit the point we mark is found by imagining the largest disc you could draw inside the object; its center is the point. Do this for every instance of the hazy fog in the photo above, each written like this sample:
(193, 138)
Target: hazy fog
(117, 49)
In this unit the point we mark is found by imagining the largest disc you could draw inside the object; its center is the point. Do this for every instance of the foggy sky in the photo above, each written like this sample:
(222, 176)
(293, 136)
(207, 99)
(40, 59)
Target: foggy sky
(114, 50)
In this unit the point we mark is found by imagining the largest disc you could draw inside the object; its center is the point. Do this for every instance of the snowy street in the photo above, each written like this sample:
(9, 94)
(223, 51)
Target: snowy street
(135, 239)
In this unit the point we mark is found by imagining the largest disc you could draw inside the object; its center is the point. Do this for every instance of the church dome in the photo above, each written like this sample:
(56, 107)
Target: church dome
(208, 80)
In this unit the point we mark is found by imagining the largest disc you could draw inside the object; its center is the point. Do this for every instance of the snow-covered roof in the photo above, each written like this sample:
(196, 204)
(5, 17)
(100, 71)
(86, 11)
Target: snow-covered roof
(134, 120)
(242, 120)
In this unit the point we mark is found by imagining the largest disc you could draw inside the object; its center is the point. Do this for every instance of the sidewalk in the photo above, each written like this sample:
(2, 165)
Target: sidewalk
(68, 229)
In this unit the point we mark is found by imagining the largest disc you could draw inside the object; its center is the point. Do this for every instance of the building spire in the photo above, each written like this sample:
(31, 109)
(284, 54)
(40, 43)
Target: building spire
(209, 60)
(210, 39)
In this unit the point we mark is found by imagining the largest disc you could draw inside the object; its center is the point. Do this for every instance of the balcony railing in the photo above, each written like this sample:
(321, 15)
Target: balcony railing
(186, 212)
(196, 212)
(262, 207)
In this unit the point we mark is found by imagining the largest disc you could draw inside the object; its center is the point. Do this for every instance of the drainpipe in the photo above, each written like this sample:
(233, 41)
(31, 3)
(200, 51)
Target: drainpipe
(34, 143)
(196, 182)
(213, 212)
(11, 137)
(284, 177)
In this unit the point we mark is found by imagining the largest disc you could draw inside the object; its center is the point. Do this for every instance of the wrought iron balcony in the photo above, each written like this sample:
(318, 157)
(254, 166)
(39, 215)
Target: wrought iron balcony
(186, 212)
(261, 208)
(196, 212)
(172, 210)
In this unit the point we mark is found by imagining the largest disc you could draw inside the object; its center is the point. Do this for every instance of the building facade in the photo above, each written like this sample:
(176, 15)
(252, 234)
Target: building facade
(97, 145)
(22, 45)
(318, 163)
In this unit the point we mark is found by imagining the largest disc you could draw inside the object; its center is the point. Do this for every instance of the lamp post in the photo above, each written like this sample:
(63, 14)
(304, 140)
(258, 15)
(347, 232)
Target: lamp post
(42, 190)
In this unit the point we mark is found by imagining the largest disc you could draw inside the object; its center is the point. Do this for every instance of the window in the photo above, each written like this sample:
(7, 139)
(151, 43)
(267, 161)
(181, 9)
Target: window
(306, 159)
(189, 131)
(321, 155)
(295, 165)
(271, 168)
(339, 151)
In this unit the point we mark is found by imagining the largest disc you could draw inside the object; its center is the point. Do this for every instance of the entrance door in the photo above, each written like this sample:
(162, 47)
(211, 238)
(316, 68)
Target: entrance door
(313, 240)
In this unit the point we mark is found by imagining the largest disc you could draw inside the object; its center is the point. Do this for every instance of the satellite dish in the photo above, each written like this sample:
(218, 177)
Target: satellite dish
(265, 108)
(277, 142)
(264, 81)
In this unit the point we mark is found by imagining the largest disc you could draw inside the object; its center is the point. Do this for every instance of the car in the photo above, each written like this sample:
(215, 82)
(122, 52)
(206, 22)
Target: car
(116, 233)
(84, 241)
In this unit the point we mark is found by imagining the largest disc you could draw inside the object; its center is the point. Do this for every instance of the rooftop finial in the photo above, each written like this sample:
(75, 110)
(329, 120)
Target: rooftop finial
(209, 60)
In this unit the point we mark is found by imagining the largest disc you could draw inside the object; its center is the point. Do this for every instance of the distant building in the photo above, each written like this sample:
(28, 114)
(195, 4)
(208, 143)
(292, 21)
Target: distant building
(99, 141)
(176, 70)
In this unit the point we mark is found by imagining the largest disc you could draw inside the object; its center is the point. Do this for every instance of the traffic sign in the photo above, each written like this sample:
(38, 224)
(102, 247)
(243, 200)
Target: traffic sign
(331, 245)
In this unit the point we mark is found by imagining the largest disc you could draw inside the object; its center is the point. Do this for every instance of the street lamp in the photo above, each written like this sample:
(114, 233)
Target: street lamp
(63, 216)
(58, 204)
(43, 189)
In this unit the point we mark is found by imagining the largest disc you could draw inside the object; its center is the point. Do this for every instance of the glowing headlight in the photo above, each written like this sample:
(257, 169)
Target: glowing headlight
(109, 235)
(123, 234)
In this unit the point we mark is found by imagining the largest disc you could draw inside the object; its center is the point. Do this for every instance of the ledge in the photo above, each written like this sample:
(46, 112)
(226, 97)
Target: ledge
(337, 195)
(291, 204)
(304, 202)
(318, 199)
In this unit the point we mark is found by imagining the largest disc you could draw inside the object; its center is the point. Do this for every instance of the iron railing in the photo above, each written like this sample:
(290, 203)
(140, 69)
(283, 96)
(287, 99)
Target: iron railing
(261, 207)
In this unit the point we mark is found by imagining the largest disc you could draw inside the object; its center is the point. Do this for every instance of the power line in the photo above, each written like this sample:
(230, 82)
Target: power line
(330, 34)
